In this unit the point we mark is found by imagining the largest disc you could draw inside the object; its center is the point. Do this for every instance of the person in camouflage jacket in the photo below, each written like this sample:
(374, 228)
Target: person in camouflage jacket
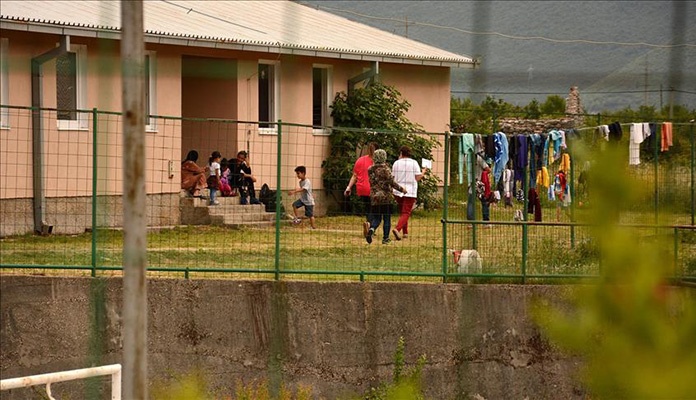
(381, 197)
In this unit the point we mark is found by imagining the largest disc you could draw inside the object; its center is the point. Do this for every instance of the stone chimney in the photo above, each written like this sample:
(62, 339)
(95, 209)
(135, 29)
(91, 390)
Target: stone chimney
(574, 108)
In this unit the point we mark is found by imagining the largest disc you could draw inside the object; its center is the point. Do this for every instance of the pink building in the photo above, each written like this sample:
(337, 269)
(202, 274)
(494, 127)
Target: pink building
(233, 60)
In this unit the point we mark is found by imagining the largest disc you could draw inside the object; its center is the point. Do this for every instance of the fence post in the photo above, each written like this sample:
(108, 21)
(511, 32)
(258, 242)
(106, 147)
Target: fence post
(693, 195)
(658, 143)
(135, 382)
(525, 248)
(94, 192)
(279, 169)
(445, 213)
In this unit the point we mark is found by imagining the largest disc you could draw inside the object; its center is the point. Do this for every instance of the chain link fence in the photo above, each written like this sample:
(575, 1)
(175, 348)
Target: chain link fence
(61, 207)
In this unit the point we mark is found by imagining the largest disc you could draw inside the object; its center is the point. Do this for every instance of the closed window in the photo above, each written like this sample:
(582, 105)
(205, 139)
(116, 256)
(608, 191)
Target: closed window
(268, 96)
(71, 88)
(150, 90)
(321, 97)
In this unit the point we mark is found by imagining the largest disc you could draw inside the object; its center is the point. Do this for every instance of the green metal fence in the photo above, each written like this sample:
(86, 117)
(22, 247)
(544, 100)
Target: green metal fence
(69, 190)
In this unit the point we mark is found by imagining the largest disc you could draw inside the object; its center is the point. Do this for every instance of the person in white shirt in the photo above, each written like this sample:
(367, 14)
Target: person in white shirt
(407, 173)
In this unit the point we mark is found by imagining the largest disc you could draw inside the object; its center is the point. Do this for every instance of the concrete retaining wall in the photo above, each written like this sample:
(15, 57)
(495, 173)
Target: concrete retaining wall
(339, 338)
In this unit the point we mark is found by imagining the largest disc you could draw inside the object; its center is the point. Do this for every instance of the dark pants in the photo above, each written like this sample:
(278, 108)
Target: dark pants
(366, 206)
(247, 189)
(486, 210)
(378, 213)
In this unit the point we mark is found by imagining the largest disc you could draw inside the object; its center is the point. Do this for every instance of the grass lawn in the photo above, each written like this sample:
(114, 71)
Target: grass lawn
(337, 249)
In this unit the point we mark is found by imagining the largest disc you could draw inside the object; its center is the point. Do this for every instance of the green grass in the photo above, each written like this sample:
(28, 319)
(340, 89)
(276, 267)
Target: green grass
(337, 249)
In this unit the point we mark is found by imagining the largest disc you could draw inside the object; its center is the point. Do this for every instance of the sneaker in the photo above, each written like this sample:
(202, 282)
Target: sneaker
(405, 236)
(368, 237)
(386, 241)
(397, 235)
(296, 221)
(366, 227)
(215, 203)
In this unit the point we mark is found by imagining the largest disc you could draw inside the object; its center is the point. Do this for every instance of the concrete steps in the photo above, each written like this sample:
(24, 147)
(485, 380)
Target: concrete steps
(196, 211)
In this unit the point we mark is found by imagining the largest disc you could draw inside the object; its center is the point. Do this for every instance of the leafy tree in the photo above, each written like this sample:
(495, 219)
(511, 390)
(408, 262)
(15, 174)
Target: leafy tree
(554, 106)
(532, 110)
(375, 113)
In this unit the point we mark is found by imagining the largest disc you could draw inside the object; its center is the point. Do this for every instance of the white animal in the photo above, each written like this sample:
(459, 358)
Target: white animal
(468, 262)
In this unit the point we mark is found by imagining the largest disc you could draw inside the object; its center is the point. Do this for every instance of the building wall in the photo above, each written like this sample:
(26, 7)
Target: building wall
(230, 93)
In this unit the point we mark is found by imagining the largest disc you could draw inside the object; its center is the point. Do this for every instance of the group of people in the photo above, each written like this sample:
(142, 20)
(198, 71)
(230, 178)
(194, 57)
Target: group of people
(229, 177)
(377, 185)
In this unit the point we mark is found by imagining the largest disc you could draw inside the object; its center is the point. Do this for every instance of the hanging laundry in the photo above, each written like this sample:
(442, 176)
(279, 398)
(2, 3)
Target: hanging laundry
(542, 178)
(507, 187)
(604, 131)
(565, 163)
(636, 138)
(666, 136)
(501, 154)
(615, 132)
(521, 160)
(534, 205)
(466, 151)
(489, 146)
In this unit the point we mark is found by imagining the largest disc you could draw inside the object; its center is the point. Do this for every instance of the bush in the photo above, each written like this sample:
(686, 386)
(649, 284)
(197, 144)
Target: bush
(375, 113)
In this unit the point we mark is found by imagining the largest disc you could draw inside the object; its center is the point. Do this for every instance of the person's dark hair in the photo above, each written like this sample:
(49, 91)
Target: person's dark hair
(405, 151)
(301, 169)
(191, 156)
(214, 155)
(242, 153)
(223, 164)
(371, 147)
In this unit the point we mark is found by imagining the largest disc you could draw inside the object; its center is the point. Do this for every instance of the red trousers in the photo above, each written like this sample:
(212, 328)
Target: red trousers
(405, 207)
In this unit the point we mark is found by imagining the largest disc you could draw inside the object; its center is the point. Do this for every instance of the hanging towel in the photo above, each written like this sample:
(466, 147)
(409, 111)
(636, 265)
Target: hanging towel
(634, 143)
(615, 132)
(565, 163)
(604, 132)
(501, 155)
(666, 136)
(521, 159)
(466, 151)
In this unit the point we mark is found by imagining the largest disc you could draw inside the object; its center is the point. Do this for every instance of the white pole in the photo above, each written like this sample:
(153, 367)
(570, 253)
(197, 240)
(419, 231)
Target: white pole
(134, 202)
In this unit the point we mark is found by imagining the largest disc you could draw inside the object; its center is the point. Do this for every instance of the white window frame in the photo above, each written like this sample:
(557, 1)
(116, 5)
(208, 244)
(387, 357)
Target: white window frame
(4, 84)
(151, 125)
(82, 121)
(274, 98)
(327, 97)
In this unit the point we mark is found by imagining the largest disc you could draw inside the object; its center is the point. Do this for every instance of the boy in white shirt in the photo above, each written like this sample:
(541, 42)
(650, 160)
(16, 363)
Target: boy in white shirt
(306, 199)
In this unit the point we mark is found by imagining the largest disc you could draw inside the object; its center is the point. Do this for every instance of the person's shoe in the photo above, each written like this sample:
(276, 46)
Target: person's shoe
(215, 203)
(368, 237)
(296, 221)
(366, 227)
(405, 236)
(397, 235)
(386, 241)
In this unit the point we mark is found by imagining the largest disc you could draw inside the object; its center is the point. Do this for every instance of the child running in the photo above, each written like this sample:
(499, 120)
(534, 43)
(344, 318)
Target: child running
(306, 199)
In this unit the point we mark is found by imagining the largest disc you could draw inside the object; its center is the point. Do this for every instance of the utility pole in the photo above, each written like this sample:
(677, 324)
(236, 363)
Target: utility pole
(134, 202)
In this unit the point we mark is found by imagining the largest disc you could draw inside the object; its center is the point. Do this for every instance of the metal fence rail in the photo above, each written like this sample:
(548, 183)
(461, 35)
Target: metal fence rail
(47, 379)
(81, 179)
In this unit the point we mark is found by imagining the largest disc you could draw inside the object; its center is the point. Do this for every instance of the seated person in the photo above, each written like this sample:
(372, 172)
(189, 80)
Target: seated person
(244, 180)
(193, 176)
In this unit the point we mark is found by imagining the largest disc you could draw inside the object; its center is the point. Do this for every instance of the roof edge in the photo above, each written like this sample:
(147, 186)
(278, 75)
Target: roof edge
(278, 48)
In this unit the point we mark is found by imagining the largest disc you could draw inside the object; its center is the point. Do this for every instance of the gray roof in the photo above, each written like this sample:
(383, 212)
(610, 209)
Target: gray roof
(267, 26)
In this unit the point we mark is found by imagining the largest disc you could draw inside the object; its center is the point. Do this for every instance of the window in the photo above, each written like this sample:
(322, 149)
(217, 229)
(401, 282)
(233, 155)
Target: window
(150, 91)
(4, 85)
(71, 88)
(321, 97)
(268, 96)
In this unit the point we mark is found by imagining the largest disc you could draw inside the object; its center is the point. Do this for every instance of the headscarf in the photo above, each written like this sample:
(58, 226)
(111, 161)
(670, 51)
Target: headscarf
(380, 156)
